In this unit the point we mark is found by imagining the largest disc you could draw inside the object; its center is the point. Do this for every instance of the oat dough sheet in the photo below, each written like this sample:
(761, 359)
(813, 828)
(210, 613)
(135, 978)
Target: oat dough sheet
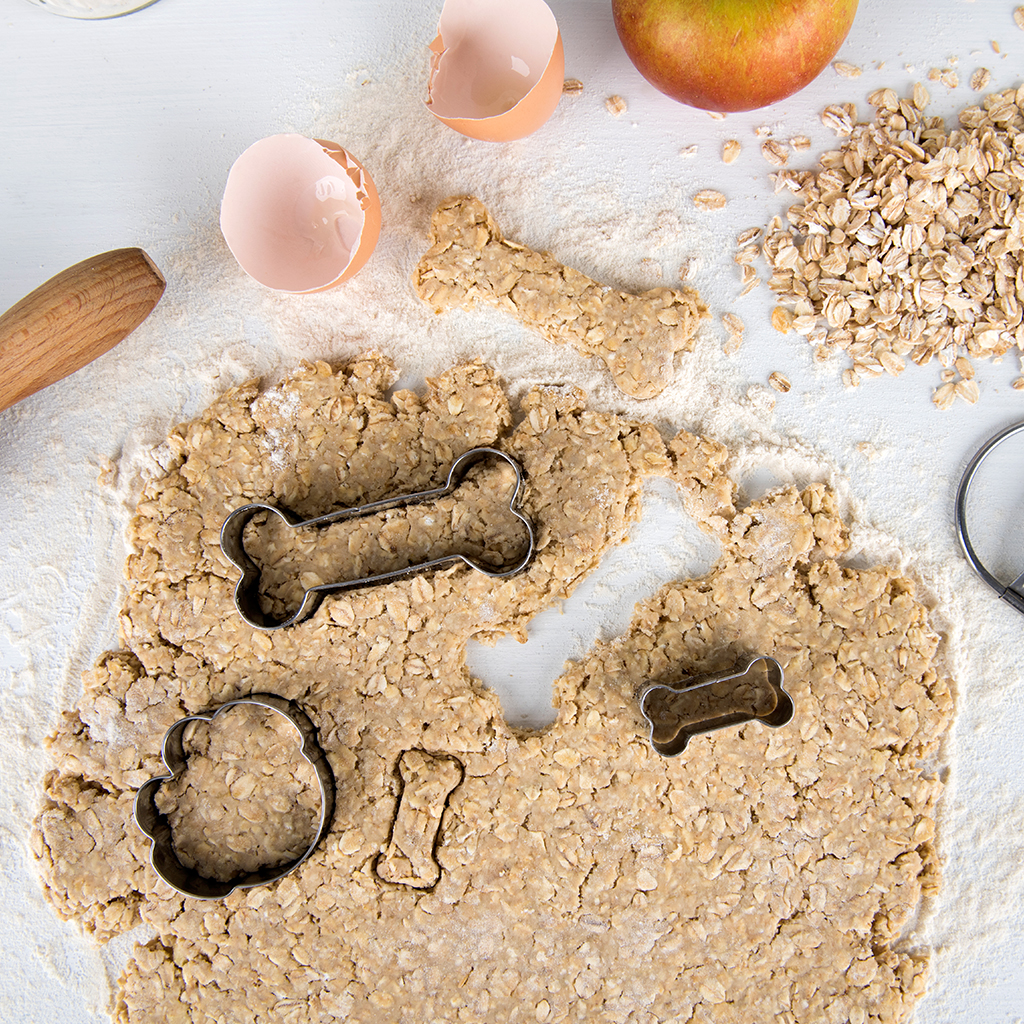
(474, 872)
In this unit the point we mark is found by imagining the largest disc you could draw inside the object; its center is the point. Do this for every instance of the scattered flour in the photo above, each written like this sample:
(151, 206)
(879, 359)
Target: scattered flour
(215, 328)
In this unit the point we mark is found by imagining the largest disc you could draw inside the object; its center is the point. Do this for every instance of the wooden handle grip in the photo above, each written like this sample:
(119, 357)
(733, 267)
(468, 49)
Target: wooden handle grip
(74, 317)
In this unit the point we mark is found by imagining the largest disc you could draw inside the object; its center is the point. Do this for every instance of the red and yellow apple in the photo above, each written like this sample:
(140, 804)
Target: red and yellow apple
(731, 54)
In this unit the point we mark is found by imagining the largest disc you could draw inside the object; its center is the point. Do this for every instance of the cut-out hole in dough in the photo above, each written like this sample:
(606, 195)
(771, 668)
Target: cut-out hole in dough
(601, 607)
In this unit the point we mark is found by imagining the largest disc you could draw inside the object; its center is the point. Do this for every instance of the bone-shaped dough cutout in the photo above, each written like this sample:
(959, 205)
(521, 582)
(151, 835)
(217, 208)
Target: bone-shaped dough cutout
(637, 336)
(427, 781)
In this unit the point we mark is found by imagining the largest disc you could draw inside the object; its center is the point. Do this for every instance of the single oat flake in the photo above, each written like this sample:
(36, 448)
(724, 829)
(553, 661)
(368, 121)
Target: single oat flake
(779, 382)
(774, 153)
(782, 319)
(730, 151)
(572, 87)
(616, 105)
(735, 328)
(709, 199)
(980, 79)
(846, 70)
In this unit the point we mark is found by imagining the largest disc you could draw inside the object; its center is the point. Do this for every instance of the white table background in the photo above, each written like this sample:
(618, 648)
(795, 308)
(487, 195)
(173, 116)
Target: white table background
(121, 132)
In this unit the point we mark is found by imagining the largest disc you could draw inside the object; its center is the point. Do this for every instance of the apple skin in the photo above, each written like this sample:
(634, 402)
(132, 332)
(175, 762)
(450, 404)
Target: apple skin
(728, 55)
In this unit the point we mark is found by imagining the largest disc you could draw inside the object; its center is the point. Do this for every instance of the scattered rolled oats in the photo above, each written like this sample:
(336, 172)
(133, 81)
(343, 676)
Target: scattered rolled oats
(716, 115)
(949, 78)
(1018, 16)
(730, 151)
(980, 79)
(636, 336)
(616, 105)
(846, 70)
(906, 243)
(709, 199)
(572, 87)
(801, 143)
(474, 871)
(1018, 384)
(779, 382)
(688, 151)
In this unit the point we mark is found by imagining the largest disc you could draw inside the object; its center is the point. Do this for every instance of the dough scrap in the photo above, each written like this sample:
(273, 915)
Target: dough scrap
(762, 875)
(637, 336)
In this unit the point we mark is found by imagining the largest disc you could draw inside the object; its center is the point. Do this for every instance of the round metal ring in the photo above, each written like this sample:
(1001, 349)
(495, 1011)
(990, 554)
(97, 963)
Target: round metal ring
(1007, 592)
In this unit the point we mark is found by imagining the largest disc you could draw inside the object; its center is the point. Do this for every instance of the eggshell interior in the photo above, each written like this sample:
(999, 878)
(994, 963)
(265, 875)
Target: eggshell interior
(299, 214)
(496, 67)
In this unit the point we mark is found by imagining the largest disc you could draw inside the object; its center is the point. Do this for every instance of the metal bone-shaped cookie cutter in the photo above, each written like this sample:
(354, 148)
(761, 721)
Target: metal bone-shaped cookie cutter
(247, 589)
(668, 708)
(164, 858)
(1011, 593)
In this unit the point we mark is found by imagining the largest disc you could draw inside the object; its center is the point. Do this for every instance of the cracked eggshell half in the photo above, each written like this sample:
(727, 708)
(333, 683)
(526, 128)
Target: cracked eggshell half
(299, 215)
(496, 68)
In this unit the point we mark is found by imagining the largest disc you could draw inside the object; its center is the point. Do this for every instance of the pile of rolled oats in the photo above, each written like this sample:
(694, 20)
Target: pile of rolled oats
(475, 872)
(906, 242)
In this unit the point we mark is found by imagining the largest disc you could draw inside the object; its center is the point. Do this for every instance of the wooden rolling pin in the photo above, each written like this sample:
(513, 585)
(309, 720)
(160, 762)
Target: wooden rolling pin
(74, 317)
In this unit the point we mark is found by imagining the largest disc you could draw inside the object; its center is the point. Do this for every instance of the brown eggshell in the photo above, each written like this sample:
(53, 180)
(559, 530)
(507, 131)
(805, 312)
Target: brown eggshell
(496, 68)
(299, 214)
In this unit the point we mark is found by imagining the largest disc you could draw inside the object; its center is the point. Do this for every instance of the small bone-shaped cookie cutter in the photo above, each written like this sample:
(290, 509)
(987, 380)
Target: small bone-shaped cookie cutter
(247, 597)
(669, 709)
(163, 856)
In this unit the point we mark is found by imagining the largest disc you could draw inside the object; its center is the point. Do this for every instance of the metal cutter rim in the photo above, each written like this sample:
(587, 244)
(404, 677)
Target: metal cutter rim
(1012, 593)
(154, 824)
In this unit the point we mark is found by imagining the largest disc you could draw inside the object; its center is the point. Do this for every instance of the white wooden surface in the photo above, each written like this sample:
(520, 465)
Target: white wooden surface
(121, 133)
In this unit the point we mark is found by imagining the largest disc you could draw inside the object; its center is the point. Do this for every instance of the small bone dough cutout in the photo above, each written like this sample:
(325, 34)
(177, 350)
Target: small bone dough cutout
(427, 781)
(637, 336)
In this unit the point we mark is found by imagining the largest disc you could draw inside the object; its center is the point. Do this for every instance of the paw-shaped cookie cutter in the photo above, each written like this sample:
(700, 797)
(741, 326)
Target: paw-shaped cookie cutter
(164, 858)
(247, 595)
(670, 732)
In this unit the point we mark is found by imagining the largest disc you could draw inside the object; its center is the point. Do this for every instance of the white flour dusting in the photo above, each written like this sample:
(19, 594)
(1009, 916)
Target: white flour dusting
(215, 328)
